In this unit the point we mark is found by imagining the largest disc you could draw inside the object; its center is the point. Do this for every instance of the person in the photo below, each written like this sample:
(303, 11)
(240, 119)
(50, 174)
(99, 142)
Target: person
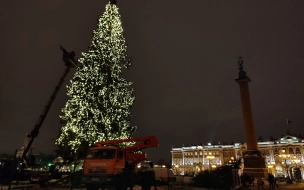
(68, 57)
(248, 180)
(243, 180)
(270, 180)
(275, 182)
(252, 180)
(288, 180)
(260, 183)
(72, 55)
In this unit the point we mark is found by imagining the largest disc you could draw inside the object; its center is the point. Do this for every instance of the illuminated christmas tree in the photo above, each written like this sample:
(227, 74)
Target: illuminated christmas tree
(100, 99)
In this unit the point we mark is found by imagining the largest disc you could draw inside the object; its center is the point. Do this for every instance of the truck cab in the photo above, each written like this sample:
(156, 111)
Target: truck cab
(112, 164)
(102, 163)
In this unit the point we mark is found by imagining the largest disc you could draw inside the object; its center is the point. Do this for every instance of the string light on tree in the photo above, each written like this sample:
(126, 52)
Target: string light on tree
(100, 99)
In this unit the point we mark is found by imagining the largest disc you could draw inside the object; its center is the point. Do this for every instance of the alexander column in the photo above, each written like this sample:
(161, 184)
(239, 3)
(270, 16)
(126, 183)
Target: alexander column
(254, 162)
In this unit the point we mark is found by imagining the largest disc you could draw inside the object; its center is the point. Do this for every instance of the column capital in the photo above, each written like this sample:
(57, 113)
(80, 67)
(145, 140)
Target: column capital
(246, 79)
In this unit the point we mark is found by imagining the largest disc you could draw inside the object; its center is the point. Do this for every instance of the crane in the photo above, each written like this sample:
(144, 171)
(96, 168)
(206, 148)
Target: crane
(69, 60)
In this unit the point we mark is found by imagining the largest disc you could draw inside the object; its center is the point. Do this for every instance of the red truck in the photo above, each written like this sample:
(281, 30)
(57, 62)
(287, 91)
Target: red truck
(112, 164)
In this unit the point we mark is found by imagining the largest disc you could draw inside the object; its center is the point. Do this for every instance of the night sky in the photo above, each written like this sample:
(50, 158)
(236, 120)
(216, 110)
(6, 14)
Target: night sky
(184, 65)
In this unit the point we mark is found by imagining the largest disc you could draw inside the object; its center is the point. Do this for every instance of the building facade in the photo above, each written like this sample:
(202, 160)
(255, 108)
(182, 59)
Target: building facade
(283, 157)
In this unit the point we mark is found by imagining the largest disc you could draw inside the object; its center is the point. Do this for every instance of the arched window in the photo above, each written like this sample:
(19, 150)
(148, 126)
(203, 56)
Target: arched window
(291, 151)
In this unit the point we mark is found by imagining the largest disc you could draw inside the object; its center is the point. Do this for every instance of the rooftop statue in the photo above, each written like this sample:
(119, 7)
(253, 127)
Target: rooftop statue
(240, 63)
(242, 73)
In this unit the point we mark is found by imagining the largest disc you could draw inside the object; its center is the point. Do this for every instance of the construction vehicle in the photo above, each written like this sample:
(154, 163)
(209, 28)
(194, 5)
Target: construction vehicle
(31, 163)
(110, 164)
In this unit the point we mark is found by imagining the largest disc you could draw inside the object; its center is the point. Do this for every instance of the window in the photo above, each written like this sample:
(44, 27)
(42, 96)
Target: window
(291, 151)
(102, 154)
(119, 154)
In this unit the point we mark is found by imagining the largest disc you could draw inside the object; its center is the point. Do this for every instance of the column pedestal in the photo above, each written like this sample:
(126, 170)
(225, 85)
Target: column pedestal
(254, 164)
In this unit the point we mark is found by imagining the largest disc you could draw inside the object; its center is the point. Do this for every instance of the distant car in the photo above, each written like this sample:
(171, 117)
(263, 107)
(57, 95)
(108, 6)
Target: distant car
(281, 179)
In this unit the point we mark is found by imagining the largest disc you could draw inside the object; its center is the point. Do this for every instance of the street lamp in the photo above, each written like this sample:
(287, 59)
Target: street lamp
(210, 157)
(231, 161)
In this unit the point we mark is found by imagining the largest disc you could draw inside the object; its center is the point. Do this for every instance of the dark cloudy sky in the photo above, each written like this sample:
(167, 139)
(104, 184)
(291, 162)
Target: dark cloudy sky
(184, 65)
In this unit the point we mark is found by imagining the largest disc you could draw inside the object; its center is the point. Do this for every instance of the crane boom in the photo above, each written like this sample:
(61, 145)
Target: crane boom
(139, 143)
(68, 58)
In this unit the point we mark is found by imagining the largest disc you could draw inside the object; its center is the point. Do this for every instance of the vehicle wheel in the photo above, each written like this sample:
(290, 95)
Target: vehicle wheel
(147, 180)
(44, 184)
(91, 187)
(5, 181)
(131, 187)
(122, 184)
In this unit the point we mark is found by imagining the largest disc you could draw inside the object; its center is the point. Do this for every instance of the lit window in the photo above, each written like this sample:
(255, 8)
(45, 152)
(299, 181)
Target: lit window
(290, 150)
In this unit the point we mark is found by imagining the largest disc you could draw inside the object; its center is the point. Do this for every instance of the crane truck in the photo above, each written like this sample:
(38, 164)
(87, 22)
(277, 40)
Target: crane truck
(28, 165)
(110, 164)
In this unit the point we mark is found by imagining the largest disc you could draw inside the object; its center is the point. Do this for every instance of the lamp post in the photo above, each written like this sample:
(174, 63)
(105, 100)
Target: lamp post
(210, 157)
